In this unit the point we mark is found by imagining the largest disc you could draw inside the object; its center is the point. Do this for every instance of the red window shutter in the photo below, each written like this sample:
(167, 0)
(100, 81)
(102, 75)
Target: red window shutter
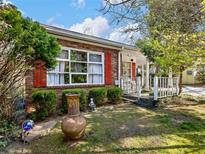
(108, 68)
(133, 71)
(39, 75)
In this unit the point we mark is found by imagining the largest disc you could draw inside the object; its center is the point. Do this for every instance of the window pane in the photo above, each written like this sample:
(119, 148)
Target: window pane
(95, 58)
(189, 72)
(64, 54)
(76, 78)
(53, 79)
(64, 78)
(64, 66)
(95, 69)
(79, 67)
(95, 78)
(78, 55)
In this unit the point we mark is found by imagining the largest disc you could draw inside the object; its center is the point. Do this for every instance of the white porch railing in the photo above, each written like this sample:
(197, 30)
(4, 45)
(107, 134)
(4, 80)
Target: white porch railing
(128, 86)
(132, 86)
(165, 87)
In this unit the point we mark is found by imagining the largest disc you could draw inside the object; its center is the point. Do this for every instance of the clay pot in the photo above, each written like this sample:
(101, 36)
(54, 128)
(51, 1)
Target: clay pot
(73, 125)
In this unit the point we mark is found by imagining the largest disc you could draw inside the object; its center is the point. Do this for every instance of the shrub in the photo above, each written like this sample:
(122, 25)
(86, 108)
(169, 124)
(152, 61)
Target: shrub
(201, 76)
(45, 103)
(98, 95)
(114, 94)
(8, 131)
(83, 99)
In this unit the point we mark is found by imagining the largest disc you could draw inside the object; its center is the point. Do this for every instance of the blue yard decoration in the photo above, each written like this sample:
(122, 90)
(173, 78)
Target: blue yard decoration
(26, 127)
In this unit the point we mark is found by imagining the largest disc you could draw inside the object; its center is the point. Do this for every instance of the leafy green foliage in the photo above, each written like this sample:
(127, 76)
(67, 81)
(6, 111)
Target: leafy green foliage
(83, 99)
(27, 38)
(9, 130)
(201, 75)
(22, 42)
(114, 94)
(98, 95)
(147, 49)
(175, 33)
(45, 103)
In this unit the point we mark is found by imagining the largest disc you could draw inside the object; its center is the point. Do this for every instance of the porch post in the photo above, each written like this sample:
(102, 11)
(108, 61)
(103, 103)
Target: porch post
(147, 76)
(155, 88)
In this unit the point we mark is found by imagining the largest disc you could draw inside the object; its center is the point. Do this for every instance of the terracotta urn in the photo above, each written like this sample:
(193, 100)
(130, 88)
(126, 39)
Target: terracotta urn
(73, 125)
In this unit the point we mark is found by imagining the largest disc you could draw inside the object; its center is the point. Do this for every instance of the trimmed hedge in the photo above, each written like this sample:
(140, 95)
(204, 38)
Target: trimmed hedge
(45, 103)
(114, 94)
(83, 99)
(98, 95)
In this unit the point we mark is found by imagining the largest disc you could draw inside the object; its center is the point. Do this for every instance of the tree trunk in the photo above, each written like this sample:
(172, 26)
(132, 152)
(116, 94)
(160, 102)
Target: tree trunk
(180, 82)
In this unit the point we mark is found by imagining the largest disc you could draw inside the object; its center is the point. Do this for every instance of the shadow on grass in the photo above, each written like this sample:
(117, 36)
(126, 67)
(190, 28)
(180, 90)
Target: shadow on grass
(110, 126)
(195, 147)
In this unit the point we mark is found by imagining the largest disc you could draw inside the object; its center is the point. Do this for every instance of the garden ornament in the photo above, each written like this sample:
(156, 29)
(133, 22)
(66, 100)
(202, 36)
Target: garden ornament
(73, 125)
(92, 105)
(26, 127)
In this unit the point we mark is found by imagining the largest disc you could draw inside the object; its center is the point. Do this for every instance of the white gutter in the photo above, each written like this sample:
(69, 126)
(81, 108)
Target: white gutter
(119, 67)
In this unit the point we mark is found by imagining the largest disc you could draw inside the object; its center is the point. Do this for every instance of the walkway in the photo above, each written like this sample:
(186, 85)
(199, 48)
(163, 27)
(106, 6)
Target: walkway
(195, 91)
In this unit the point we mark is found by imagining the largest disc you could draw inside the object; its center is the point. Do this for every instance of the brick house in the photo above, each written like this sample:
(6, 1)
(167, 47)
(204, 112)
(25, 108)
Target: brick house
(85, 61)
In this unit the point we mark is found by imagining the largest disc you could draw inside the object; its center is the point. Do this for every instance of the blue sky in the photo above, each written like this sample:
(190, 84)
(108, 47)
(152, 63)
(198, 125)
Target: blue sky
(78, 15)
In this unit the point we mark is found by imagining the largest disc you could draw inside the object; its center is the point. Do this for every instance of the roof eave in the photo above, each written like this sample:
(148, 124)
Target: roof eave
(79, 36)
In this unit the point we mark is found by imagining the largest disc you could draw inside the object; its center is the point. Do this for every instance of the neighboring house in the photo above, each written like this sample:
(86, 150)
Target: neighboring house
(85, 61)
(189, 76)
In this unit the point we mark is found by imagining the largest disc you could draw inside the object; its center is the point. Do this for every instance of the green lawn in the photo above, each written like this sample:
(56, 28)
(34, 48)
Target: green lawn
(126, 128)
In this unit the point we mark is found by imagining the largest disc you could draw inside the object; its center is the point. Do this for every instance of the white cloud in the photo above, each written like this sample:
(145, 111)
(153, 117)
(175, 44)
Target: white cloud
(52, 21)
(78, 3)
(115, 1)
(22, 12)
(95, 27)
(111, 1)
(119, 35)
(6, 2)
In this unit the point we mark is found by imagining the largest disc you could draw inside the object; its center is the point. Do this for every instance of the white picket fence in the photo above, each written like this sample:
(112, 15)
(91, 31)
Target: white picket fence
(165, 87)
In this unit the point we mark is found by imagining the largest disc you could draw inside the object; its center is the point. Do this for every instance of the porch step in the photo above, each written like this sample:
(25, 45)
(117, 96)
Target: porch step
(128, 100)
(131, 97)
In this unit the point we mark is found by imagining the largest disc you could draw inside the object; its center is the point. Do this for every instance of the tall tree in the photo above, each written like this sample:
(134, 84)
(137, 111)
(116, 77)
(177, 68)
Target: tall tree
(22, 42)
(175, 29)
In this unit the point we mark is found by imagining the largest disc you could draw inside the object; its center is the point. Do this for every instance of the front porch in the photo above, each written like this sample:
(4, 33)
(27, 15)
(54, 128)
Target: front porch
(134, 72)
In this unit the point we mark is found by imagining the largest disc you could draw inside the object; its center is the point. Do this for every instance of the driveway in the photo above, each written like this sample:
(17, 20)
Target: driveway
(195, 91)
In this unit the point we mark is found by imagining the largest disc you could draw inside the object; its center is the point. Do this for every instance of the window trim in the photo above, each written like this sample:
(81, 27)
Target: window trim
(87, 62)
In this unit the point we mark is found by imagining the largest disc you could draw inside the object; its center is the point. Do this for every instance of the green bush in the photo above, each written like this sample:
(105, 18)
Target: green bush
(45, 103)
(8, 132)
(201, 76)
(98, 95)
(114, 94)
(83, 99)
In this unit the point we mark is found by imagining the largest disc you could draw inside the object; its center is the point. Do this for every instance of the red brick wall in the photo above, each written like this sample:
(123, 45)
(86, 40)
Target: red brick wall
(114, 55)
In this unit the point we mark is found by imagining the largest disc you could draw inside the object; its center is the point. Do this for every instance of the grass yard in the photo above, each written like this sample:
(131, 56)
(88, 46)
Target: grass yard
(126, 128)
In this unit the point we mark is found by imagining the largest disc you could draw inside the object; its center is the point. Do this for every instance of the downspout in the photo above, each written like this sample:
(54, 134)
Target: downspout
(119, 67)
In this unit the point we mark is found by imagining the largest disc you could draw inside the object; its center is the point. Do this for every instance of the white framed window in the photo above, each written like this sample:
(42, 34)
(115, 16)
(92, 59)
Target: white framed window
(77, 67)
